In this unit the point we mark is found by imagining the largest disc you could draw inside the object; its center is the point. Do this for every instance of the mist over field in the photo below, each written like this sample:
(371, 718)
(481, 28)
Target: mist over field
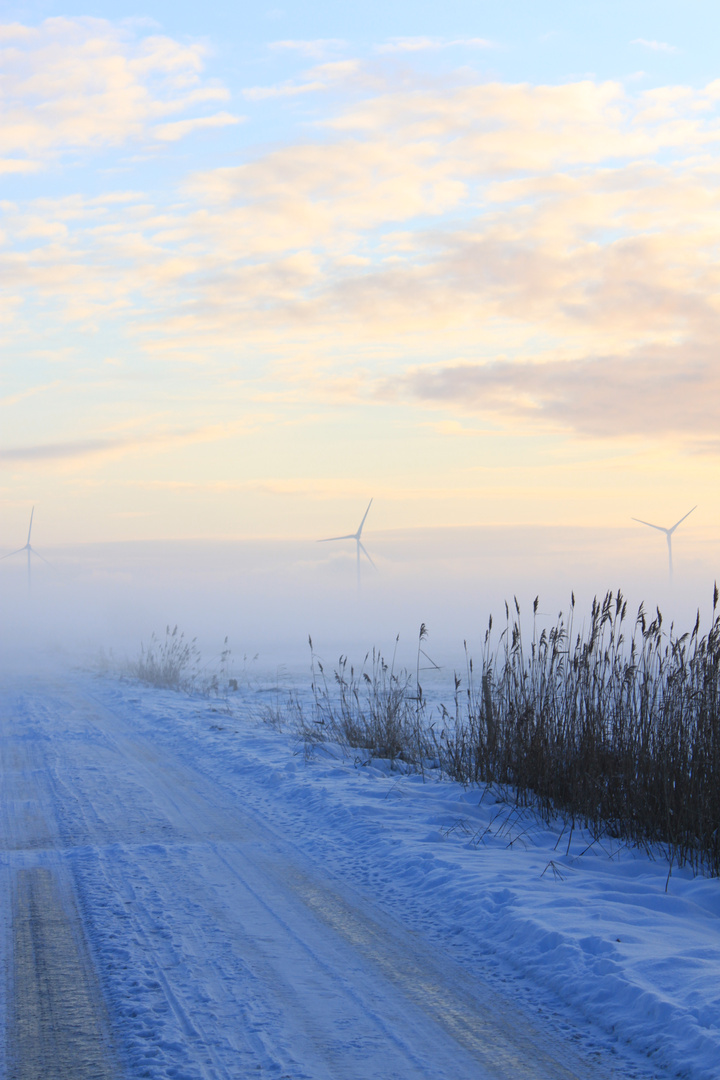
(268, 596)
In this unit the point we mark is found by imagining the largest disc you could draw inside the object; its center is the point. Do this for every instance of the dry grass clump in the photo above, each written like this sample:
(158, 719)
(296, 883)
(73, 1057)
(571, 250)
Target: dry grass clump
(377, 710)
(174, 663)
(169, 664)
(620, 735)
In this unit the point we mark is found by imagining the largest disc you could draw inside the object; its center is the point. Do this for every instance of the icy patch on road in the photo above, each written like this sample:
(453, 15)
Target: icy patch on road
(588, 925)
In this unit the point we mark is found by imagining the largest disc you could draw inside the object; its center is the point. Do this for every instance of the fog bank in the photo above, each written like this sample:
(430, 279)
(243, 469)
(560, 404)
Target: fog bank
(268, 597)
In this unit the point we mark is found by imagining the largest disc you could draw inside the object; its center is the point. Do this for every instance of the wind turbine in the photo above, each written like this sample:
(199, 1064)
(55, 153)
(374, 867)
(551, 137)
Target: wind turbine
(668, 534)
(30, 552)
(358, 542)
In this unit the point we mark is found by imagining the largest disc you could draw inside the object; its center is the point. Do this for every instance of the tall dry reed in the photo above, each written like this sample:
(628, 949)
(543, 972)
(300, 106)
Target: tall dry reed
(616, 727)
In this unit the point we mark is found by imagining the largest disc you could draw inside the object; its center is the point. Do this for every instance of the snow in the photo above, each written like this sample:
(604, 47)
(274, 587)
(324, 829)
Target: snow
(193, 830)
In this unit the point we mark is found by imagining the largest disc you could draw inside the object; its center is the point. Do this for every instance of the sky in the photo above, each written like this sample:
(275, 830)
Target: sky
(261, 264)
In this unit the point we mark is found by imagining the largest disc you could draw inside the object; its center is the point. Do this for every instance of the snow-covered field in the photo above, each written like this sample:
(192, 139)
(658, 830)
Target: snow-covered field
(248, 909)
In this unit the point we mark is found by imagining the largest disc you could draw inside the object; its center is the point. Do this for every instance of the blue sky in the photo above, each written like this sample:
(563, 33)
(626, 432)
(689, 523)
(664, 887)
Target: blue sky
(536, 40)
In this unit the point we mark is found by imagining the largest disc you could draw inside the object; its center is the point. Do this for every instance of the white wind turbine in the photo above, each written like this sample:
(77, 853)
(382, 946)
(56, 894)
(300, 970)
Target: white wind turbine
(30, 552)
(668, 534)
(358, 542)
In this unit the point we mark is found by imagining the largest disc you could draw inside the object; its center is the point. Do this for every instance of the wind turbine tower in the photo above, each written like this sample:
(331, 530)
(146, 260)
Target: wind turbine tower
(668, 534)
(359, 546)
(30, 552)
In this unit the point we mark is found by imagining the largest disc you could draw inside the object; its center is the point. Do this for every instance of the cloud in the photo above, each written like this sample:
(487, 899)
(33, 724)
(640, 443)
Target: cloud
(656, 46)
(321, 78)
(658, 392)
(312, 193)
(283, 90)
(424, 44)
(14, 32)
(115, 445)
(316, 49)
(18, 165)
(84, 83)
(21, 395)
(501, 127)
(178, 129)
(60, 451)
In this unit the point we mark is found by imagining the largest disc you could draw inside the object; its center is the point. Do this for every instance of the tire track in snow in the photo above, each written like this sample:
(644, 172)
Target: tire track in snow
(59, 1028)
(56, 1020)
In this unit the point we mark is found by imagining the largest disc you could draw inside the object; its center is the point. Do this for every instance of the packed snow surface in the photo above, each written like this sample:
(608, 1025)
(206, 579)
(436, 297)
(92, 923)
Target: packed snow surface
(204, 897)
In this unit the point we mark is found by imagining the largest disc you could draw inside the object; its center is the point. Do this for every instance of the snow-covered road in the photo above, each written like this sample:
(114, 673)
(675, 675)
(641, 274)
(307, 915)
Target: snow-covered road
(160, 922)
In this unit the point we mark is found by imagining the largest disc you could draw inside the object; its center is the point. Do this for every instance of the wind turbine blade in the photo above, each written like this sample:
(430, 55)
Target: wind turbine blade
(30, 529)
(658, 527)
(39, 556)
(362, 548)
(681, 520)
(359, 532)
(11, 553)
(329, 539)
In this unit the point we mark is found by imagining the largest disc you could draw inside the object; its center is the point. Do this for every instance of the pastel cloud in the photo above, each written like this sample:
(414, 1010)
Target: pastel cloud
(75, 83)
(320, 193)
(317, 48)
(283, 90)
(423, 44)
(497, 127)
(112, 445)
(658, 392)
(59, 451)
(17, 165)
(561, 240)
(322, 77)
(655, 46)
(178, 129)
